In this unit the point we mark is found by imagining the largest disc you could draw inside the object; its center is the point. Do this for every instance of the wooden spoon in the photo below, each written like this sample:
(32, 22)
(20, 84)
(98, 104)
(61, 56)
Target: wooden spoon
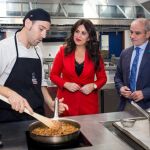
(46, 121)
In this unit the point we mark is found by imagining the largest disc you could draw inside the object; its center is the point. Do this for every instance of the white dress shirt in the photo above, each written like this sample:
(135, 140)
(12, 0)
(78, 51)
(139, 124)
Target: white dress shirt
(141, 52)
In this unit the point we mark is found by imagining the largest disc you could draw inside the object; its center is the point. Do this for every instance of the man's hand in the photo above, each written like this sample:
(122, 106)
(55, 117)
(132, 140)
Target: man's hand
(125, 91)
(137, 96)
(18, 103)
(62, 106)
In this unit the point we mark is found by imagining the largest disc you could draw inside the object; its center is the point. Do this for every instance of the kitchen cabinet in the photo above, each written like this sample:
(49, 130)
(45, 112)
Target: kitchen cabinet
(52, 90)
(109, 100)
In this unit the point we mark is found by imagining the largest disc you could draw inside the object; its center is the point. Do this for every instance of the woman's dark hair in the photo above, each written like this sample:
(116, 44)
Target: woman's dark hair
(92, 45)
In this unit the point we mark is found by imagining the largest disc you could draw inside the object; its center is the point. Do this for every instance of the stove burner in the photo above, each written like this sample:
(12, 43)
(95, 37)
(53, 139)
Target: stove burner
(34, 145)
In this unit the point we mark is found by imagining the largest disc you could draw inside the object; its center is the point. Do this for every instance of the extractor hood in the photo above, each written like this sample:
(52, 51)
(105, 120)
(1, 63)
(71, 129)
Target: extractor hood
(103, 13)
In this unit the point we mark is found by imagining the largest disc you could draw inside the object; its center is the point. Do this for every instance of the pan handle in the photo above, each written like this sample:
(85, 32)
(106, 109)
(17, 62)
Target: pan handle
(56, 107)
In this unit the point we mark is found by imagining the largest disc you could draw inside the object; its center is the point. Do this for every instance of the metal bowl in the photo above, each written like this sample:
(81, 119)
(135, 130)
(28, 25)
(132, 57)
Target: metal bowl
(128, 122)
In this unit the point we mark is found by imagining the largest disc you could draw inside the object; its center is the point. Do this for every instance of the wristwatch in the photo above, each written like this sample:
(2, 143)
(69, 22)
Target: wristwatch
(95, 86)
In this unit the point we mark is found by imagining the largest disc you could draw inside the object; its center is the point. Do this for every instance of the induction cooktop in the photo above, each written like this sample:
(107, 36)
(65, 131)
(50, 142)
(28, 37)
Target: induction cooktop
(82, 141)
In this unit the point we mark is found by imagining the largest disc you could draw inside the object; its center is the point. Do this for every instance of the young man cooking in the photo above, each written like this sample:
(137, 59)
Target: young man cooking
(21, 69)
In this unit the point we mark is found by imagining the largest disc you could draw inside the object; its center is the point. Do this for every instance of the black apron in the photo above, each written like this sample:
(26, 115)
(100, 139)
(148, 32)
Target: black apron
(25, 79)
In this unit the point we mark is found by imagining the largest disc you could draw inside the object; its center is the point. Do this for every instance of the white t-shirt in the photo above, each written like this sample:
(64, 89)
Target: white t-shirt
(8, 57)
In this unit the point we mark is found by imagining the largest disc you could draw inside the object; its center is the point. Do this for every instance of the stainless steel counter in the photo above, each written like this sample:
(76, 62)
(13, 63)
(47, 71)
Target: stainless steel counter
(13, 134)
(140, 132)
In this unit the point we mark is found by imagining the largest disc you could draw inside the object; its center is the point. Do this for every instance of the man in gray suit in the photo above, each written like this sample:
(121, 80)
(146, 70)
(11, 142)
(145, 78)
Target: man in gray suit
(139, 34)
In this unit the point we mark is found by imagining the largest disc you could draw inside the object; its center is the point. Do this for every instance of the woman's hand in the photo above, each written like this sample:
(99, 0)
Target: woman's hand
(87, 89)
(72, 87)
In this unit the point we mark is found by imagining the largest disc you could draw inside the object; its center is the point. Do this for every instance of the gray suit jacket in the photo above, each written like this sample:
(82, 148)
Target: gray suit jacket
(143, 79)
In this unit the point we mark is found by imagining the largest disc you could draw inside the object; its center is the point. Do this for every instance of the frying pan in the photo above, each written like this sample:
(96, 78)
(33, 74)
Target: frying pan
(55, 139)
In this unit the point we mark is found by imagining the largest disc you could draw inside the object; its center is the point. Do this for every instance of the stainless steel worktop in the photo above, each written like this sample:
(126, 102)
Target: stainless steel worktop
(140, 132)
(13, 134)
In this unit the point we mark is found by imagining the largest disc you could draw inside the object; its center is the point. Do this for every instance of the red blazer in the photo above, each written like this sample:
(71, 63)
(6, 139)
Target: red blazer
(63, 70)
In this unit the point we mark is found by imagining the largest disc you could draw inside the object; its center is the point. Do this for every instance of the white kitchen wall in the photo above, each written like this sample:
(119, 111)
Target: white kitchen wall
(127, 38)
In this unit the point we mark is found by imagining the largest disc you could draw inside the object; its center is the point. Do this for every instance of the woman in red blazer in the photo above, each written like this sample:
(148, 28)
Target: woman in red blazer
(78, 70)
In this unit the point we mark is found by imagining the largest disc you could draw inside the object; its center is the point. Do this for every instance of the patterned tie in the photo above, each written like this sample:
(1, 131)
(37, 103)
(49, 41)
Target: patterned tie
(134, 70)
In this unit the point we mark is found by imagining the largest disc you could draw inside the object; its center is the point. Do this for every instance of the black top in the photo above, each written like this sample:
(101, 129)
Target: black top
(79, 67)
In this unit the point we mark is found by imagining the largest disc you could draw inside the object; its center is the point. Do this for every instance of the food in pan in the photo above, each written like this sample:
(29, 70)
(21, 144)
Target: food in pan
(64, 129)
